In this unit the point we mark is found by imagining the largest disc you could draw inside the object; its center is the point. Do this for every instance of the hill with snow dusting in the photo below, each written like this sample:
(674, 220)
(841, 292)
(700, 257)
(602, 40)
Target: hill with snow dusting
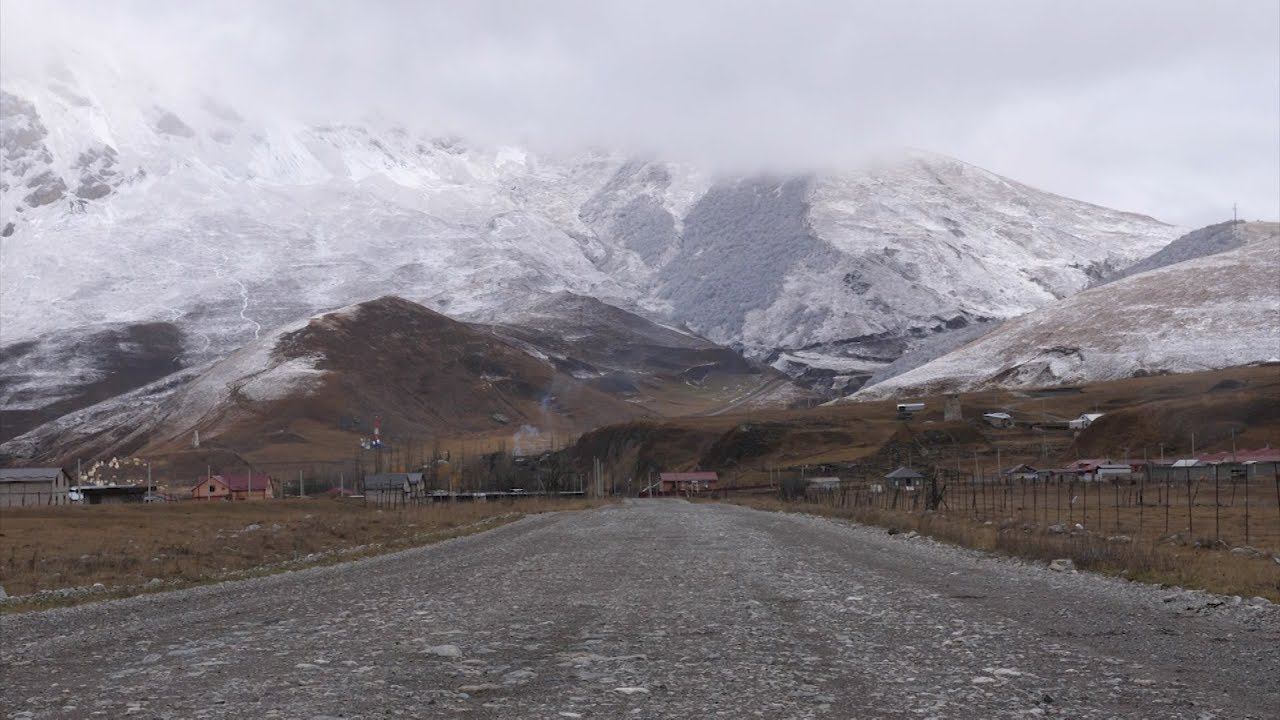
(208, 228)
(1215, 311)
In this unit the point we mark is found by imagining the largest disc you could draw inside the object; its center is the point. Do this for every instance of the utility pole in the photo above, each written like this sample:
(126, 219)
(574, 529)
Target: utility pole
(301, 491)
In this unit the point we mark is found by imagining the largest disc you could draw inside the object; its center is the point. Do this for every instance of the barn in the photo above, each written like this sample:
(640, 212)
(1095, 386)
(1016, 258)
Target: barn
(31, 487)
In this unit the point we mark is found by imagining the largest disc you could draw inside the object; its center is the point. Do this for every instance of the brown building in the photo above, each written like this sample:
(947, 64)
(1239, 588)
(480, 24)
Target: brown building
(32, 487)
(246, 486)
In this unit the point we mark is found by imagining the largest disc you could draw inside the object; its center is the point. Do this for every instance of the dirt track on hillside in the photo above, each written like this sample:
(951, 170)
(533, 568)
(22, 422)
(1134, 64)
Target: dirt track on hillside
(656, 609)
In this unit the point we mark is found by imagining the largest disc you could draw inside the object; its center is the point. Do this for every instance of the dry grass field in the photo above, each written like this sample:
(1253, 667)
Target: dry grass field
(1163, 563)
(191, 542)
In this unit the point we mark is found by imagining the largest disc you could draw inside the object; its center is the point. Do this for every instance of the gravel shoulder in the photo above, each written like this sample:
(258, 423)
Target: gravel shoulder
(653, 609)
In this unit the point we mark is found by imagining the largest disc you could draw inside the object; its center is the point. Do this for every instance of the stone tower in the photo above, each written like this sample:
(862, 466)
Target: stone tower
(951, 411)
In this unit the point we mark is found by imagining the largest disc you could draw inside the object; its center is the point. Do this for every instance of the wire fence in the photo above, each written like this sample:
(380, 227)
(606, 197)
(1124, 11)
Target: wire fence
(1223, 511)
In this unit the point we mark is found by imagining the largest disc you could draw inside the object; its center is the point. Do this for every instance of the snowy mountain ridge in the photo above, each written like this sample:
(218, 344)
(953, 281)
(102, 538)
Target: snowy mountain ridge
(1214, 311)
(120, 208)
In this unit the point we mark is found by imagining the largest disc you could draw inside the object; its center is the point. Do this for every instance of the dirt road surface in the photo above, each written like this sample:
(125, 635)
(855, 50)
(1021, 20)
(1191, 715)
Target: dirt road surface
(654, 609)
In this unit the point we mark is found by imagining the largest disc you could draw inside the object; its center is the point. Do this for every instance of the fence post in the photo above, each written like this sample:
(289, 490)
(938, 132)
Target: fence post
(1217, 521)
(1115, 494)
(1246, 504)
(1167, 473)
(1190, 520)
(1142, 500)
(1071, 502)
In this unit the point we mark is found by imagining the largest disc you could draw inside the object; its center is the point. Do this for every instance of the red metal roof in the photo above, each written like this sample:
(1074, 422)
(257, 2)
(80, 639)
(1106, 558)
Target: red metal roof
(688, 477)
(240, 483)
(1263, 455)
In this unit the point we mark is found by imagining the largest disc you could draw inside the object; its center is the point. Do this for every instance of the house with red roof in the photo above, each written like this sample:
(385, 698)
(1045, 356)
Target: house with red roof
(243, 486)
(686, 483)
(1093, 469)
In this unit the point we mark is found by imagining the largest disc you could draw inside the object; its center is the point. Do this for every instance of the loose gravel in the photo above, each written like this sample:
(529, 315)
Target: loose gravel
(654, 609)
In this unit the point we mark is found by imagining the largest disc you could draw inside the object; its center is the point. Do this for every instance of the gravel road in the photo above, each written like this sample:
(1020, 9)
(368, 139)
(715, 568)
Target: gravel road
(654, 609)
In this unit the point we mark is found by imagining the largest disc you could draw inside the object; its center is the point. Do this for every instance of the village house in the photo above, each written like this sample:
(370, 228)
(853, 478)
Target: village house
(30, 487)
(1242, 464)
(1093, 469)
(904, 478)
(686, 483)
(1084, 421)
(244, 486)
(1226, 465)
(1020, 472)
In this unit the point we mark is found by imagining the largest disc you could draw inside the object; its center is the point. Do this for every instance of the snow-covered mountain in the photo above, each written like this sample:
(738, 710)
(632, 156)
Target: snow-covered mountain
(1214, 311)
(121, 207)
(1204, 241)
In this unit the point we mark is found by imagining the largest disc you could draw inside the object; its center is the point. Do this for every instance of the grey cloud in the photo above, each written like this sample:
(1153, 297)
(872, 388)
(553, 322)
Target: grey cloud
(1169, 108)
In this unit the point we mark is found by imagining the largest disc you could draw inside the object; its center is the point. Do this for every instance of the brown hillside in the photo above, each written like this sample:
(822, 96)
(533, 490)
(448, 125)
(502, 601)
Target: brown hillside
(422, 373)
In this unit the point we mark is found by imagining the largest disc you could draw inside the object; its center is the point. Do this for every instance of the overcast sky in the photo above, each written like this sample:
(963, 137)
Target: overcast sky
(1169, 108)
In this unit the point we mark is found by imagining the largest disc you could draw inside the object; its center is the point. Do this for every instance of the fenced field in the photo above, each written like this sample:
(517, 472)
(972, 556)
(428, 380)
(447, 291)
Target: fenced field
(1211, 511)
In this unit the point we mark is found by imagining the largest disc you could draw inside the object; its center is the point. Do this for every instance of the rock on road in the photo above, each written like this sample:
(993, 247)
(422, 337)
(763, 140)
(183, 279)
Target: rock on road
(653, 609)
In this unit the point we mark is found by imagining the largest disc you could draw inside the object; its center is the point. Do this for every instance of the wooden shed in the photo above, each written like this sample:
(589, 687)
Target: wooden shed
(32, 487)
(393, 489)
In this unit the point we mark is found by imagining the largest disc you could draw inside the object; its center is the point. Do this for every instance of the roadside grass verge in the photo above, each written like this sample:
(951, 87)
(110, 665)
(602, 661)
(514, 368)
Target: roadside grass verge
(1216, 571)
(135, 549)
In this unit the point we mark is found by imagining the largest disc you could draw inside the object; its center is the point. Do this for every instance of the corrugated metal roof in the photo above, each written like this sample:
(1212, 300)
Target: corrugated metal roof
(388, 481)
(29, 474)
(904, 473)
